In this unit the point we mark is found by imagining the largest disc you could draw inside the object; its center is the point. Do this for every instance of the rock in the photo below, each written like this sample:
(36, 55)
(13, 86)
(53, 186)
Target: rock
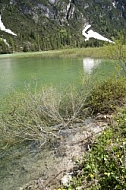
(66, 180)
(21, 188)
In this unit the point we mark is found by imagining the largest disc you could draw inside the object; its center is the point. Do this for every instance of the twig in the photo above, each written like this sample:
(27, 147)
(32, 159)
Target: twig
(50, 181)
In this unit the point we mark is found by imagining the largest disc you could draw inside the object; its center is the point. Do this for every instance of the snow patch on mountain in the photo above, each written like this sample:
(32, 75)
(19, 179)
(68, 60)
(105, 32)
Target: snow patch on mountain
(91, 34)
(3, 28)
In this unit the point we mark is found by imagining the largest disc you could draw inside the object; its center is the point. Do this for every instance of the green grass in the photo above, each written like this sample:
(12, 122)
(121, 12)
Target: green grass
(97, 52)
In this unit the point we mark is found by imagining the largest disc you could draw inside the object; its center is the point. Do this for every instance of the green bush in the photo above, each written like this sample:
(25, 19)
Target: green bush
(106, 96)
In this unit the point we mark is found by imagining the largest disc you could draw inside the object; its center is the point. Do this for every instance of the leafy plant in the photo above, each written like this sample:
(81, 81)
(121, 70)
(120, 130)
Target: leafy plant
(117, 52)
(106, 96)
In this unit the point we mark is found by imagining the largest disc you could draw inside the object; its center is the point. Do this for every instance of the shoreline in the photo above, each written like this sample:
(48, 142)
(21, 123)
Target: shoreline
(95, 52)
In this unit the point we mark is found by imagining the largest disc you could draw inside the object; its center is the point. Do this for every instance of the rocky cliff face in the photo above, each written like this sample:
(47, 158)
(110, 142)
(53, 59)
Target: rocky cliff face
(65, 10)
(52, 24)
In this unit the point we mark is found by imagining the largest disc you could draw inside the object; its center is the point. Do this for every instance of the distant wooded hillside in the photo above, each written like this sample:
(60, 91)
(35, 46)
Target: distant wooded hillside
(55, 24)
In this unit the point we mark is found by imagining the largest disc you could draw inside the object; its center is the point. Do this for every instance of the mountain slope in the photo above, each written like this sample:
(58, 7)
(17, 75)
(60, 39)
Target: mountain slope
(54, 24)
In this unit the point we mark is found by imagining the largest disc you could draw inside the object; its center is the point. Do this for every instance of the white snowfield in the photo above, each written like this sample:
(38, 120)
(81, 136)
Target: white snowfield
(91, 34)
(3, 28)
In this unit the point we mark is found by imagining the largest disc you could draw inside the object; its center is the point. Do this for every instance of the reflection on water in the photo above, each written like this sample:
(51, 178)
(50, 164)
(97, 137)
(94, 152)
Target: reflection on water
(89, 64)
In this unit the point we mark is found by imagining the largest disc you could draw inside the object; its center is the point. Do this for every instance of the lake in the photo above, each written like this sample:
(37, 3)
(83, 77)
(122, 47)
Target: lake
(15, 73)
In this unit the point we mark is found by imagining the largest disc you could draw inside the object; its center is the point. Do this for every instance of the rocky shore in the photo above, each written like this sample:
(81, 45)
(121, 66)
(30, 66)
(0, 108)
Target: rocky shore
(62, 154)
